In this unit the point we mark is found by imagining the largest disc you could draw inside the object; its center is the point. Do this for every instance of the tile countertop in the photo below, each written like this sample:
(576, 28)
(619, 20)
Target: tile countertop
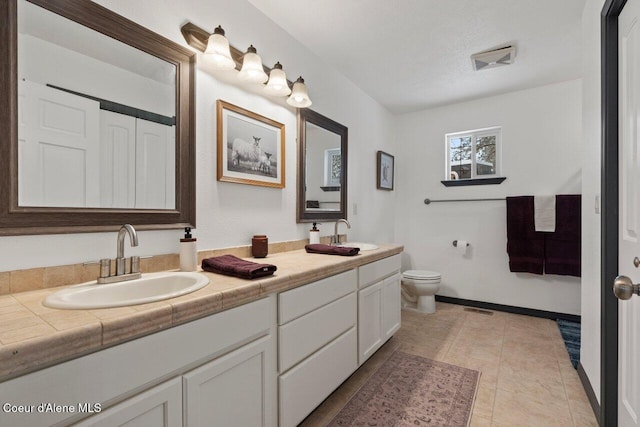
(33, 336)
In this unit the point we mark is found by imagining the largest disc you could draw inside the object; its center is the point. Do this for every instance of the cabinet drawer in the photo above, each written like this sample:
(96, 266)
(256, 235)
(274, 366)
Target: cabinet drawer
(308, 384)
(297, 302)
(371, 273)
(303, 336)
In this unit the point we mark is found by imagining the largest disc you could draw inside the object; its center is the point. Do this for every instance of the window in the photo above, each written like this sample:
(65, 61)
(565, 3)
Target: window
(473, 154)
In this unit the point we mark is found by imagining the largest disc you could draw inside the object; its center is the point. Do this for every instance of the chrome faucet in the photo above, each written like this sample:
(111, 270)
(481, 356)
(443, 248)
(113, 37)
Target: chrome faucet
(121, 262)
(335, 239)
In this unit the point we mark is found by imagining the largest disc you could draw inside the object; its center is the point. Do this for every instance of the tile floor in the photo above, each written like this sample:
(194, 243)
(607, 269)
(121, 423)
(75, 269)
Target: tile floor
(527, 378)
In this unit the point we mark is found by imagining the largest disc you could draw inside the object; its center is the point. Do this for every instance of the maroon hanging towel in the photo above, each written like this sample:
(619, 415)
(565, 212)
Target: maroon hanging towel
(562, 248)
(525, 246)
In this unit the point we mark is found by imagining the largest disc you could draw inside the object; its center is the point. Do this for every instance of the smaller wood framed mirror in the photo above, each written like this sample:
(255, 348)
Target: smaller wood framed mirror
(322, 168)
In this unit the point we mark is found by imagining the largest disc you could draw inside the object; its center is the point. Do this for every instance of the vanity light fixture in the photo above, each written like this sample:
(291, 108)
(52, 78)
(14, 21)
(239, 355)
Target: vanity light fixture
(252, 70)
(249, 64)
(277, 84)
(218, 50)
(299, 95)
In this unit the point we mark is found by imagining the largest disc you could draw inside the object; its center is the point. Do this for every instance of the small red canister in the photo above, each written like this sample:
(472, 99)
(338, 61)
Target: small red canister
(259, 246)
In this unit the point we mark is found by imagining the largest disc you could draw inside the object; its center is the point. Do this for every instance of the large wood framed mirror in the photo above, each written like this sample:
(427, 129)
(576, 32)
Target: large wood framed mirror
(322, 168)
(96, 121)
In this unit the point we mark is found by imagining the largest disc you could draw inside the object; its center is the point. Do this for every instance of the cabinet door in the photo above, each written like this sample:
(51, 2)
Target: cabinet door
(369, 321)
(238, 389)
(159, 407)
(390, 306)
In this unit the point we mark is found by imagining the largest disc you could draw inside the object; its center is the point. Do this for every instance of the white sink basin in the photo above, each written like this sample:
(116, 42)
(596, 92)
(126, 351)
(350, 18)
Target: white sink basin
(149, 288)
(362, 246)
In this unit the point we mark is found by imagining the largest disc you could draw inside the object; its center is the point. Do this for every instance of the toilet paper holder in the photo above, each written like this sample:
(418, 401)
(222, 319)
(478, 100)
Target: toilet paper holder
(455, 243)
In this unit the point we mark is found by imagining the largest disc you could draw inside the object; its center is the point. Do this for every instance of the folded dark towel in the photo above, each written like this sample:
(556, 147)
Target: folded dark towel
(331, 250)
(233, 266)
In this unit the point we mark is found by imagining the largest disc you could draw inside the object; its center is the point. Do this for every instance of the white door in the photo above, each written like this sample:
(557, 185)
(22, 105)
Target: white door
(58, 148)
(117, 160)
(629, 238)
(155, 165)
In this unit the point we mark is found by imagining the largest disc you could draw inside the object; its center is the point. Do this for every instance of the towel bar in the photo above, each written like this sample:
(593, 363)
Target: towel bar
(455, 243)
(428, 201)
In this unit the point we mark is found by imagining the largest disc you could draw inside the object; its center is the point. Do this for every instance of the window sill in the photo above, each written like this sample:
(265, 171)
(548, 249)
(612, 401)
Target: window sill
(477, 181)
(335, 188)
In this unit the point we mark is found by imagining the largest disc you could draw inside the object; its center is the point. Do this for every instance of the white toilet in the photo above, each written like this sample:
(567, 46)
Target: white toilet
(419, 288)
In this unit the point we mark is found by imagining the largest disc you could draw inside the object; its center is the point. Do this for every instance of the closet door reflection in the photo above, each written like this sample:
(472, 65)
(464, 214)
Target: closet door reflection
(96, 118)
(58, 148)
(137, 159)
(117, 160)
(155, 162)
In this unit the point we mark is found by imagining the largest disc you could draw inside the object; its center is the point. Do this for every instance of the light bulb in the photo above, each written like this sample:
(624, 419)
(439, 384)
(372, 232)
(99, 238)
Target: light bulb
(218, 51)
(252, 70)
(299, 96)
(277, 84)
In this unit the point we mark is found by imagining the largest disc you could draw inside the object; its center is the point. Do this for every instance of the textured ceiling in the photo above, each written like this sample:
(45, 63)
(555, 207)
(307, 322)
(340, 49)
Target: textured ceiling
(415, 54)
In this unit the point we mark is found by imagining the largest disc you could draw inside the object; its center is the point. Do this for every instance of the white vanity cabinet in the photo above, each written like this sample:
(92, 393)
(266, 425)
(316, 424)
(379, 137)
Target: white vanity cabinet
(317, 347)
(269, 362)
(223, 367)
(378, 304)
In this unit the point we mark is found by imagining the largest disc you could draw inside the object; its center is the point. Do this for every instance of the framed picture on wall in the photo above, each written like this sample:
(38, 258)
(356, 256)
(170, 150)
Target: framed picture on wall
(385, 170)
(250, 147)
(332, 165)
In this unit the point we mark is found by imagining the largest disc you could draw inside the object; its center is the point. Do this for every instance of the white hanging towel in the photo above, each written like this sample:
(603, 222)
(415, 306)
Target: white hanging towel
(544, 213)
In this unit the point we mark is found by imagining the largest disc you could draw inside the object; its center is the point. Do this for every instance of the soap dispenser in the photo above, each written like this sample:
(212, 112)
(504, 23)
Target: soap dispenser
(188, 252)
(314, 235)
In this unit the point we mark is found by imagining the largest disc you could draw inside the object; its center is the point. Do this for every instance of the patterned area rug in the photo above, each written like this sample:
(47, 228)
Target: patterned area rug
(570, 332)
(410, 390)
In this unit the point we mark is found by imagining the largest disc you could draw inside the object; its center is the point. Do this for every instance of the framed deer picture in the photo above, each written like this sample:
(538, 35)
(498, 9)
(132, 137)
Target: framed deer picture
(250, 147)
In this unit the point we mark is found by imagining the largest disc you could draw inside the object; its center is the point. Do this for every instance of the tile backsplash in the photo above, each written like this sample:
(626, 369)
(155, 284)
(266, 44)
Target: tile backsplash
(15, 281)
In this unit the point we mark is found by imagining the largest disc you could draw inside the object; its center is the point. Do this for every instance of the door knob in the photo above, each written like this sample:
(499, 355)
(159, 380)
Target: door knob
(624, 288)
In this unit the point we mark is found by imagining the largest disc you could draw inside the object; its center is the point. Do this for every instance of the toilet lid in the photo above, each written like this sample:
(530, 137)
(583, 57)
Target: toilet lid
(421, 274)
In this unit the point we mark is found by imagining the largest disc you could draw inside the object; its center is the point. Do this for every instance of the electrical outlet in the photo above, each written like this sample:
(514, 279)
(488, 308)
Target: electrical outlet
(355, 209)
(597, 204)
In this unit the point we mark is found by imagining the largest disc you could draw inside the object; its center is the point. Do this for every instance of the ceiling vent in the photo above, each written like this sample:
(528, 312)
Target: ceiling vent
(493, 58)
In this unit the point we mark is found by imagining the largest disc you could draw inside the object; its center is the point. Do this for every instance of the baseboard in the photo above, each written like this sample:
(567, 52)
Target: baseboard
(510, 309)
(593, 400)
